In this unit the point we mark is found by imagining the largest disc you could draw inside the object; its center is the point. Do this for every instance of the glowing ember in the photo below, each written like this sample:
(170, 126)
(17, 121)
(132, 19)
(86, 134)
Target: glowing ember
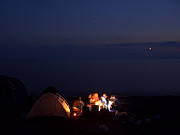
(75, 114)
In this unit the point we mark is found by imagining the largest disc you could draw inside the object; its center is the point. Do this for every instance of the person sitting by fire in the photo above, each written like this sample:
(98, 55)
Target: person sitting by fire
(78, 105)
(93, 98)
(104, 101)
(114, 104)
(90, 99)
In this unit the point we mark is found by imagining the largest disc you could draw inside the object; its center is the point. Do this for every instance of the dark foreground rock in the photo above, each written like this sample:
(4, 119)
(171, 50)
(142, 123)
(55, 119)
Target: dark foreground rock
(145, 116)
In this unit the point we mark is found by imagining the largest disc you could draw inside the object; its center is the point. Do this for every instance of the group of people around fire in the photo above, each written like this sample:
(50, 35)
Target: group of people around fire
(102, 102)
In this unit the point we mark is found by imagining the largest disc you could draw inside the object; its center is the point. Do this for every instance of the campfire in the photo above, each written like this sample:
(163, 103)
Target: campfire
(102, 102)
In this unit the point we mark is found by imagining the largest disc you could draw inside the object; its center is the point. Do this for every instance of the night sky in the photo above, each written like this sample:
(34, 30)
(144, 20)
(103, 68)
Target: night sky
(89, 22)
(120, 32)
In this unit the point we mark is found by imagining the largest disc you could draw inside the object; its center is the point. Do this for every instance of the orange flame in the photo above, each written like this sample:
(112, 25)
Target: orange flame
(75, 114)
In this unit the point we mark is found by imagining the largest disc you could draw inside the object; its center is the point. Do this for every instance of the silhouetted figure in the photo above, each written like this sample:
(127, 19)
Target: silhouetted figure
(114, 104)
(78, 105)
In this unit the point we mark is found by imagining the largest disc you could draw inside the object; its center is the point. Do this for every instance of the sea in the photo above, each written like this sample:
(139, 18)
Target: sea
(75, 77)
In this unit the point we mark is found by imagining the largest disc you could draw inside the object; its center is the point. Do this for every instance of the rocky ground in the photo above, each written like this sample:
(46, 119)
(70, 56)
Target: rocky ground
(145, 116)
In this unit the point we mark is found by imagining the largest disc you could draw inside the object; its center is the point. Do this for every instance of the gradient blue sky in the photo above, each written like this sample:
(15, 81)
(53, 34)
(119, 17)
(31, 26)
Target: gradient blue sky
(88, 22)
